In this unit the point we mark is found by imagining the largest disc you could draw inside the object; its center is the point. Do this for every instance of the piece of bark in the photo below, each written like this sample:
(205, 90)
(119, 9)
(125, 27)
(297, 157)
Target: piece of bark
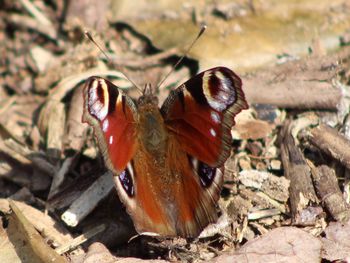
(52, 230)
(251, 129)
(25, 156)
(294, 94)
(41, 249)
(328, 190)
(331, 142)
(73, 138)
(24, 21)
(300, 84)
(52, 122)
(301, 190)
(238, 207)
(223, 225)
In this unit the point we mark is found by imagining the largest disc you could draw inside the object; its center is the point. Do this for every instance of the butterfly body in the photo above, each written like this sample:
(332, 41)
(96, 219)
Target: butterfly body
(167, 160)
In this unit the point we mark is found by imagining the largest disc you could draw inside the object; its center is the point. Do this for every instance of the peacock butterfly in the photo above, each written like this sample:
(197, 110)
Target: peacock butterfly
(167, 161)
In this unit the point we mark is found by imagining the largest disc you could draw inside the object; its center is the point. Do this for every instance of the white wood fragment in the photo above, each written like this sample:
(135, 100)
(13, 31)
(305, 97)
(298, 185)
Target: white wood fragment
(41, 57)
(88, 200)
(263, 213)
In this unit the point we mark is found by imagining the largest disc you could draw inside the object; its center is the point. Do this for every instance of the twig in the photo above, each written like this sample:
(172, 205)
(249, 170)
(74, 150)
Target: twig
(88, 200)
(331, 142)
(80, 239)
(263, 213)
(327, 188)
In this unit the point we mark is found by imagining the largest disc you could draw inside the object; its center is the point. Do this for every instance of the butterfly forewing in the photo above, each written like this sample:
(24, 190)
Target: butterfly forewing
(112, 115)
(201, 113)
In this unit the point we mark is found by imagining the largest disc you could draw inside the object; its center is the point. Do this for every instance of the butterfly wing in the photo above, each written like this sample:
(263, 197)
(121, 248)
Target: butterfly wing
(201, 113)
(112, 115)
(199, 116)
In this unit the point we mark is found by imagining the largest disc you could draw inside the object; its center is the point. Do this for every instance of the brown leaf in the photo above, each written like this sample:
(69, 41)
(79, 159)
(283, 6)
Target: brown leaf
(285, 244)
(336, 243)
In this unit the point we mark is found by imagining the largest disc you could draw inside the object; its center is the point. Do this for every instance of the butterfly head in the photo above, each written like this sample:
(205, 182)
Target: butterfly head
(148, 97)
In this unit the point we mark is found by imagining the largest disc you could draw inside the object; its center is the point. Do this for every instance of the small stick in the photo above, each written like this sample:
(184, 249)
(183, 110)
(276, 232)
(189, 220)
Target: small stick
(263, 213)
(88, 200)
(80, 239)
(327, 188)
(331, 142)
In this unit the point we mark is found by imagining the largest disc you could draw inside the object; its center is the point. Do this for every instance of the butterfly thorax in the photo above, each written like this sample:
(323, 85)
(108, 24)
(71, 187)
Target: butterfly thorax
(152, 131)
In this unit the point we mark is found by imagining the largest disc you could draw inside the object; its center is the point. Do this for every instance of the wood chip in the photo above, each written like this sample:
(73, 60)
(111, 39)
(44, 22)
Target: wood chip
(274, 186)
(88, 200)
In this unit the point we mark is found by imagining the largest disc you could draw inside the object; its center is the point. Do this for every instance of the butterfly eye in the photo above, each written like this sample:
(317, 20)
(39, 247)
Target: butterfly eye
(126, 181)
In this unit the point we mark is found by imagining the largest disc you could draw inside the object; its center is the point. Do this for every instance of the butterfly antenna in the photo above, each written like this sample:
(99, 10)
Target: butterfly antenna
(88, 35)
(201, 31)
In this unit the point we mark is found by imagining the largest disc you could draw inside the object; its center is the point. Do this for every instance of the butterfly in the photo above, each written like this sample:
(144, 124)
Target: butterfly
(167, 161)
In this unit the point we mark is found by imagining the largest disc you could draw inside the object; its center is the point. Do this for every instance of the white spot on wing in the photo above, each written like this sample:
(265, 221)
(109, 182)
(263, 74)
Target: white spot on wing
(215, 117)
(105, 125)
(212, 132)
(111, 139)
